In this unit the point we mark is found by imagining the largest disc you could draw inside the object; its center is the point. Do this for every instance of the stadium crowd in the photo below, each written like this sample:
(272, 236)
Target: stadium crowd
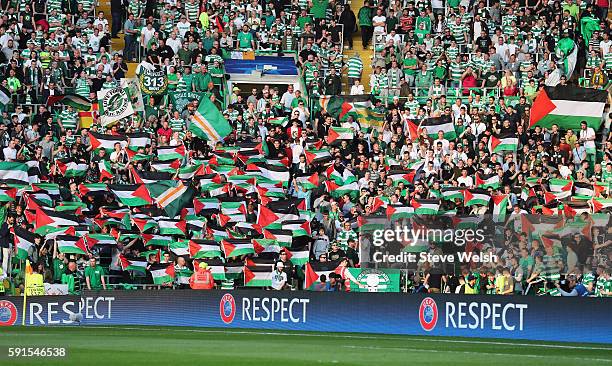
(315, 164)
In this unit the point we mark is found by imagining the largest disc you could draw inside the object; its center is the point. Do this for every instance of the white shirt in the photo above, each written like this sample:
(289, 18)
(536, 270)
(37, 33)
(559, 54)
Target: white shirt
(468, 181)
(501, 49)
(379, 19)
(357, 89)
(104, 23)
(9, 153)
(588, 134)
(279, 279)
(147, 34)
(604, 46)
(175, 44)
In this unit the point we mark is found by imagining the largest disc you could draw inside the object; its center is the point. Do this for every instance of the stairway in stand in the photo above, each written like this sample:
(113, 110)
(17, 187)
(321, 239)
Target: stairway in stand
(365, 55)
(116, 43)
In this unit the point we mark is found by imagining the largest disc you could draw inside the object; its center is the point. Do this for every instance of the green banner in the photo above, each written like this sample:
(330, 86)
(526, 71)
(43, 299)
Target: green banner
(375, 280)
(180, 99)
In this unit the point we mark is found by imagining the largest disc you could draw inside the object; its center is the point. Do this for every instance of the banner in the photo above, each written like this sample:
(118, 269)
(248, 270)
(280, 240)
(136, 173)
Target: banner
(561, 319)
(56, 289)
(114, 105)
(375, 280)
(153, 82)
(180, 99)
(132, 87)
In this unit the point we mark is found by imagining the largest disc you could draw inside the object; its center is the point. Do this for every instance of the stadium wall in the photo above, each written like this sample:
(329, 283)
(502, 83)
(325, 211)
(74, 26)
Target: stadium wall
(532, 318)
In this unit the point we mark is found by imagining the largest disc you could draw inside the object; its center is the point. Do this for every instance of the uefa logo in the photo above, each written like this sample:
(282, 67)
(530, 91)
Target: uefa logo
(8, 313)
(428, 314)
(227, 308)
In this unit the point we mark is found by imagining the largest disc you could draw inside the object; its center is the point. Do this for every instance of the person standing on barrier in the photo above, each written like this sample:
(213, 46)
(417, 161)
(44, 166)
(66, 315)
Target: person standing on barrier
(202, 279)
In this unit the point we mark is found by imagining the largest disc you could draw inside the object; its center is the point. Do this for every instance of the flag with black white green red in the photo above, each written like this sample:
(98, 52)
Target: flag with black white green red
(156, 240)
(8, 194)
(50, 218)
(258, 276)
(24, 240)
(131, 195)
(106, 142)
(452, 193)
(76, 101)
(171, 195)
(500, 207)
(166, 153)
(70, 169)
(278, 121)
(169, 226)
(342, 107)
(162, 273)
(14, 172)
(208, 123)
(138, 140)
(308, 182)
(283, 237)
(474, 197)
(202, 248)
(86, 188)
(503, 142)
(336, 191)
(397, 212)
(558, 185)
(336, 134)
(426, 206)
(71, 244)
(488, 180)
(314, 270)
(319, 156)
(298, 256)
(269, 171)
(237, 247)
(341, 176)
(299, 227)
(128, 263)
(206, 206)
(599, 204)
(404, 176)
(567, 106)
(434, 125)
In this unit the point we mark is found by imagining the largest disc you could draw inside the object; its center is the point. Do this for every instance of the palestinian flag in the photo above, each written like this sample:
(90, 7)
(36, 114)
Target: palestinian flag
(452, 193)
(237, 247)
(258, 276)
(426, 206)
(317, 156)
(395, 213)
(75, 101)
(86, 188)
(50, 188)
(107, 142)
(208, 123)
(8, 194)
(12, 171)
(99, 239)
(583, 190)
(308, 182)
(335, 190)
(266, 246)
(297, 227)
(71, 244)
(138, 140)
(561, 185)
(476, 197)
(156, 240)
(70, 169)
(172, 227)
(180, 248)
(133, 264)
(166, 153)
(54, 219)
(437, 124)
(506, 142)
(145, 177)
(340, 178)
(283, 237)
(599, 204)
(171, 195)
(162, 273)
(339, 133)
(272, 172)
(314, 270)
(106, 170)
(131, 195)
(24, 240)
(298, 256)
(342, 107)
(278, 121)
(567, 106)
(500, 207)
(189, 172)
(206, 206)
(486, 181)
(201, 248)
(403, 176)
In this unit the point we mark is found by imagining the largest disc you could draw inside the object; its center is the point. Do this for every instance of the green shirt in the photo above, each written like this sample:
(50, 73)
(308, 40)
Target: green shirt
(244, 40)
(59, 268)
(365, 16)
(95, 276)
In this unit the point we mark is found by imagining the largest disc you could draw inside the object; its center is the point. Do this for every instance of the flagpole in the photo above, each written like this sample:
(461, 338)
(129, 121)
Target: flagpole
(25, 293)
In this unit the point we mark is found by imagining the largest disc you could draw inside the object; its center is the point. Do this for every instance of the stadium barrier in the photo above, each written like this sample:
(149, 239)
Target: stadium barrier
(531, 318)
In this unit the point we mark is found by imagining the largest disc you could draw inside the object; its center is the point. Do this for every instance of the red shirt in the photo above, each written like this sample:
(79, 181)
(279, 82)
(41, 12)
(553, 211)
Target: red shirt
(165, 132)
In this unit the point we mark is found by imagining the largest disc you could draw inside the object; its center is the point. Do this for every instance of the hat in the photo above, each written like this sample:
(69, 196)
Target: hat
(236, 88)
(203, 265)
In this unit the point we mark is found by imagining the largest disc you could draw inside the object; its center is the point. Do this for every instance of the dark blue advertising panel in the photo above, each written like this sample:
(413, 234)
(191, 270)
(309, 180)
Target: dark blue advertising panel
(535, 318)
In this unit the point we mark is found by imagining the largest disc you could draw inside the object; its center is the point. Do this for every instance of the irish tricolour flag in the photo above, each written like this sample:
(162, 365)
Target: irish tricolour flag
(208, 123)
(567, 106)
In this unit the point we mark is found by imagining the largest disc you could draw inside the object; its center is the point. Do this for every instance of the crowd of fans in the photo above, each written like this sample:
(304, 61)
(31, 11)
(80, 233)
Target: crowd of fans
(478, 63)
